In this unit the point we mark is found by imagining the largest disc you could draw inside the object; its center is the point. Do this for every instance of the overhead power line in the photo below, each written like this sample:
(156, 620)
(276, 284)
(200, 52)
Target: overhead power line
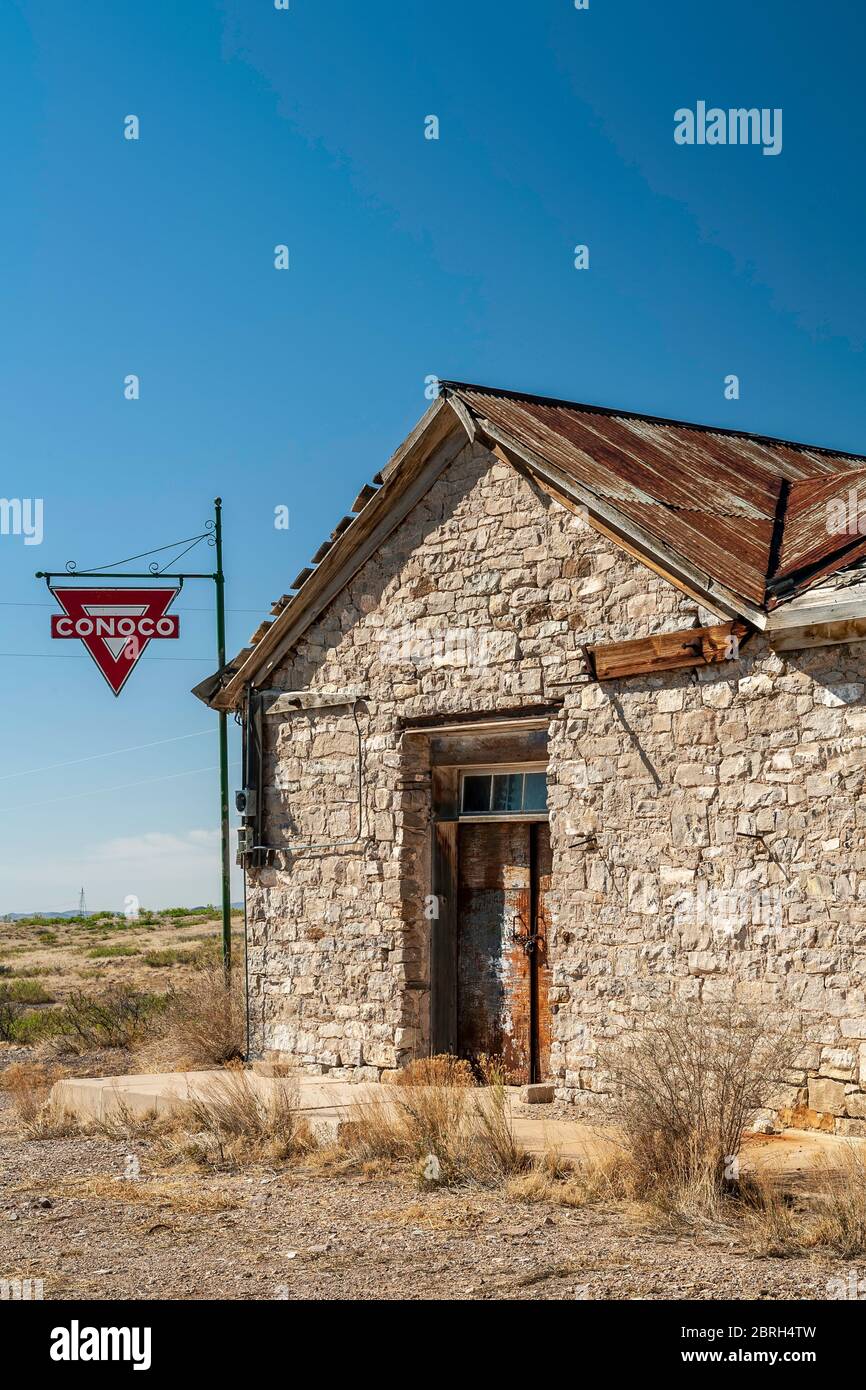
(113, 753)
(103, 791)
(73, 656)
(17, 603)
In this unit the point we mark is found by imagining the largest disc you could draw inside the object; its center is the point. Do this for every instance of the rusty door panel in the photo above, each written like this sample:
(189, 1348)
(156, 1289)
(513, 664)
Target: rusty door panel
(494, 1002)
(543, 869)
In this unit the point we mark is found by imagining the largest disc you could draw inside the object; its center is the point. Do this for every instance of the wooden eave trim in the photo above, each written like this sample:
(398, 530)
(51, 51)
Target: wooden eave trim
(430, 454)
(829, 633)
(799, 612)
(416, 437)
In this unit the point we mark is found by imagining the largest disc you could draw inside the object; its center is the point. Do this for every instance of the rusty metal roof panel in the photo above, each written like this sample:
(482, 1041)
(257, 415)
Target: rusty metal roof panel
(726, 501)
(822, 520)
(622, 458)
(732, 550)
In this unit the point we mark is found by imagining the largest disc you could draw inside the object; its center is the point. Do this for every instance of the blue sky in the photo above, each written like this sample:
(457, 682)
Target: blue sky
(409, 257)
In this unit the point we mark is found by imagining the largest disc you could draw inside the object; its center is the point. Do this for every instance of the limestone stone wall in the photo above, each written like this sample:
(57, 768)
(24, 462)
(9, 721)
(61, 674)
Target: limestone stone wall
(707, 828)
(728, 862)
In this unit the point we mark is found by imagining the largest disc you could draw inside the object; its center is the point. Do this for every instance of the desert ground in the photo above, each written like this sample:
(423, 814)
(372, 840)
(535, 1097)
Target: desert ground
(42, 960)
(134, 1209)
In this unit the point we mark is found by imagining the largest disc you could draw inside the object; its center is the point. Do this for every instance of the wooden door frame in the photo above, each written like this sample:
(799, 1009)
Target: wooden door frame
(445, 868)
(534, 886)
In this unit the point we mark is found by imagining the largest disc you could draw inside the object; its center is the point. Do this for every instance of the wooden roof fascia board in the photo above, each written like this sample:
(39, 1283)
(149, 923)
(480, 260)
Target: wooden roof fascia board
(380, 517)
(712, 594)
(842, 607)
(829, 633)
(464, 414)
(416, 437)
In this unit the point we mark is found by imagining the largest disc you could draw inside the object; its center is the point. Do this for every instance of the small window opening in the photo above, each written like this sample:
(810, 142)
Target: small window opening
(503, 793)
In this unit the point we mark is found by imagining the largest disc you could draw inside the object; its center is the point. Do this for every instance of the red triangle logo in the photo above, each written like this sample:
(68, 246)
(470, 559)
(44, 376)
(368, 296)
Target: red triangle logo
(115, 625)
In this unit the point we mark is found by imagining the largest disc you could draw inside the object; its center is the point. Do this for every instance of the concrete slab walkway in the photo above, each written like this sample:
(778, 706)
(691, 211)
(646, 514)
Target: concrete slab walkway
(329, 1103)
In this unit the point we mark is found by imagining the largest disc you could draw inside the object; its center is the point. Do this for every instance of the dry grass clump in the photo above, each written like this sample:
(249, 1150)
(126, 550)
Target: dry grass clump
(686, 1089)
(607, 1179)
(28, 1085)
(121, 1122)
(165, 1194)
(830, 1219)
(439, 1119)
(771, 1222)
(202, 1024)
(235, 1122)
(840, 1223)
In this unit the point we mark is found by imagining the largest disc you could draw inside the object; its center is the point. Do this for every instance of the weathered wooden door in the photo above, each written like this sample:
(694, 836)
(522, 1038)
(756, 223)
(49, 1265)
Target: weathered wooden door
(502, 971)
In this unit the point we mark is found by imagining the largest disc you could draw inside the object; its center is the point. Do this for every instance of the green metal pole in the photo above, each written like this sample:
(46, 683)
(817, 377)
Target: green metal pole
(224, 743)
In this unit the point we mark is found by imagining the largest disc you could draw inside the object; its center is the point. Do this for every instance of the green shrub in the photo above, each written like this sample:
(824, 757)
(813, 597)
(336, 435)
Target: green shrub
(170, 956)
(116, 1018)
(37, 1024)
(11, 1011)
(29, 992)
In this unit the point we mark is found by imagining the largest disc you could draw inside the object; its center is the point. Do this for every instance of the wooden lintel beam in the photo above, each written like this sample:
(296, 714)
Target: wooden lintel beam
(668, 651)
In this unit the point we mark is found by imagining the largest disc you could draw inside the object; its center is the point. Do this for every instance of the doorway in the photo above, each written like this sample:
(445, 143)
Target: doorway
(503, 976)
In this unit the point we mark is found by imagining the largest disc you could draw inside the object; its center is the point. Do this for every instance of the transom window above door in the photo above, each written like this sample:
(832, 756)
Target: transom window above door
(504, 792)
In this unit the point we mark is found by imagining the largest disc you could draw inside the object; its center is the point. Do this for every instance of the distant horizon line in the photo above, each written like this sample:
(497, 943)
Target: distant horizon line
(115, 912)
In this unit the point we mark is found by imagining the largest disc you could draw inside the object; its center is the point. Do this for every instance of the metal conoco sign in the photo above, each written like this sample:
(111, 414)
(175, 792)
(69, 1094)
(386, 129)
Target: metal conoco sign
(115, 625)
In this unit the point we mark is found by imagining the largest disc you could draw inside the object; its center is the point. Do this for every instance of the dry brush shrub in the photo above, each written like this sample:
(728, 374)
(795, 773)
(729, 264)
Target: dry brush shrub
(235, 1122)
(118, 1017)
(201, 1024)
(437, 1117)
(686, 1088)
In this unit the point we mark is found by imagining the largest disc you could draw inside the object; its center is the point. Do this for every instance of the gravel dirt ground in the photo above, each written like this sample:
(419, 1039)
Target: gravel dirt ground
(69, 1215)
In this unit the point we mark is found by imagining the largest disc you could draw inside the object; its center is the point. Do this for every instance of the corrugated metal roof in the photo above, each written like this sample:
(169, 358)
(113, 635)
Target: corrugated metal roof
(748, 510)
(743, 510)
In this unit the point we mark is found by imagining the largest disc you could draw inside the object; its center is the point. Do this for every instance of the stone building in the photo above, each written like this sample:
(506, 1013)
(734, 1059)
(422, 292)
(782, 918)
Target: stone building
(565, 720)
